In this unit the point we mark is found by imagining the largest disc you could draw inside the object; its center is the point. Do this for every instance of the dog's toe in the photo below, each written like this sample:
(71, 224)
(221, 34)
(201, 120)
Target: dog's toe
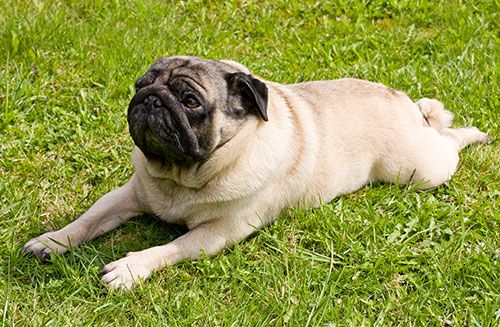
(34, 248)
(125, 273)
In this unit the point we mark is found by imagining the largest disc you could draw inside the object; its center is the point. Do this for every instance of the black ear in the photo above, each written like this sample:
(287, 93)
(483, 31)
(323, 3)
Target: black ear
(252, 90)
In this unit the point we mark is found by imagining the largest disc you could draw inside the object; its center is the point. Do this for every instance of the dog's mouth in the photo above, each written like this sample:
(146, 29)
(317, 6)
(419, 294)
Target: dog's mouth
(160, 128)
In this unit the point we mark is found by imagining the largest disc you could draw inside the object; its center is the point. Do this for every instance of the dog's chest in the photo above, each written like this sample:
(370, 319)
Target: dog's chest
(184, 206)
(171, 206)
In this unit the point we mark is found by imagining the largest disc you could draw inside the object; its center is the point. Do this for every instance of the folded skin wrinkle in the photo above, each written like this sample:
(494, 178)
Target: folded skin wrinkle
(166, 121)
(160, 120)
(180, 120)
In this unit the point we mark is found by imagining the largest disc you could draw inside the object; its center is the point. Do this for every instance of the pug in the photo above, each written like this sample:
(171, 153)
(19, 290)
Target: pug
(223, 152)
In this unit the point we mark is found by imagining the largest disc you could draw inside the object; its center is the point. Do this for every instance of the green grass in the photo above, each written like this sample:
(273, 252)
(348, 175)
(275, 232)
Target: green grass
(383, 256)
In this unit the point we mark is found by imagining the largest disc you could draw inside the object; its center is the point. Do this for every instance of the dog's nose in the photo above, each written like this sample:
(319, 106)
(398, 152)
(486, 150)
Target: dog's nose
(153, 102)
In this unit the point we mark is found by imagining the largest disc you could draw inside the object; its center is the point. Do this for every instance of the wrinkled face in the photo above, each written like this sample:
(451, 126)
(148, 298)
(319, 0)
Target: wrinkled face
(186, 107)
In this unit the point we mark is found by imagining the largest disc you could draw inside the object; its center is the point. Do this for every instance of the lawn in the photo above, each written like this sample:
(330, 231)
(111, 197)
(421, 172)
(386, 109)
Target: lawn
(386, 255)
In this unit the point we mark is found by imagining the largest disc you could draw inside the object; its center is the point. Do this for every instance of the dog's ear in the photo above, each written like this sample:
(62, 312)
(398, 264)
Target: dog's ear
(252, 91)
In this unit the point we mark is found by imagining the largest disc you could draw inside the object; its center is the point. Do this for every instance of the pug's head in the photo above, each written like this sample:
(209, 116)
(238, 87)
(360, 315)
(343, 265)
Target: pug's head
(186, 107)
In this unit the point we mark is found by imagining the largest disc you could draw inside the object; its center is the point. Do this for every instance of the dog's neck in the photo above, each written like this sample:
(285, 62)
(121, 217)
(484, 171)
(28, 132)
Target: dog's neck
(196, 176)
(183, 176)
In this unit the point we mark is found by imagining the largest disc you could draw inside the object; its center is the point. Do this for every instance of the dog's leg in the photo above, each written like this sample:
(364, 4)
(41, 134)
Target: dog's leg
(466, 136)
(426, 156)
(106, 214)
(209, 238)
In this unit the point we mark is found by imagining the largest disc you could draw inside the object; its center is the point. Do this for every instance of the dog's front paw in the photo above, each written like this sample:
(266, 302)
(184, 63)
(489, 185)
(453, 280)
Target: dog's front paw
(45, 244)
(125, 273)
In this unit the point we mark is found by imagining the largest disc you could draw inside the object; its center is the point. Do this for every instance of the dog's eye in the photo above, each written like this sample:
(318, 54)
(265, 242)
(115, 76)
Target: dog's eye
(190, 102)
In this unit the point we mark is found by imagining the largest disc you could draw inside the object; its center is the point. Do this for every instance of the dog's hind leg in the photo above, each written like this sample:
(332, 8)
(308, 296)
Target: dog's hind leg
(428, 154)
(465, 136)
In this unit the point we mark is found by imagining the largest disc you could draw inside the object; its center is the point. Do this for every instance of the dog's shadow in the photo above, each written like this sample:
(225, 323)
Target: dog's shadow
(139, 233)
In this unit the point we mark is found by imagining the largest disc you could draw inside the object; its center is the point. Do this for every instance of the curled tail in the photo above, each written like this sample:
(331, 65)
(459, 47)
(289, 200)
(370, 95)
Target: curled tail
(434, 113)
